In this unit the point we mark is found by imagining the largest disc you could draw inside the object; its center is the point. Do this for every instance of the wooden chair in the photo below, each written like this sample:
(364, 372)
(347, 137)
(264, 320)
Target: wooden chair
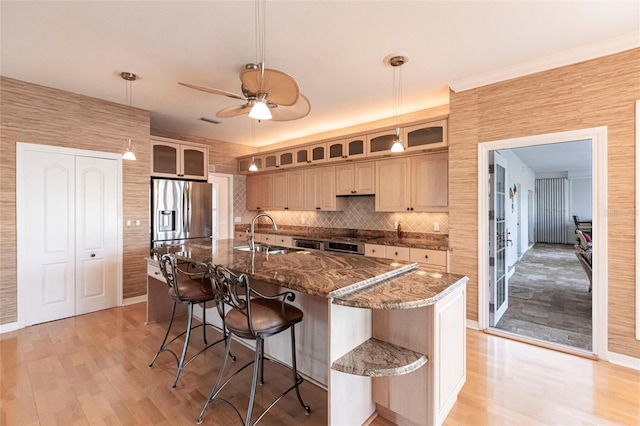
(580, 254)
(253, 316)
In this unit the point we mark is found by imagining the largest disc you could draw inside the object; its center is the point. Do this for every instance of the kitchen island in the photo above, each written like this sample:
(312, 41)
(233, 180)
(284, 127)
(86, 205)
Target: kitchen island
(375, 332)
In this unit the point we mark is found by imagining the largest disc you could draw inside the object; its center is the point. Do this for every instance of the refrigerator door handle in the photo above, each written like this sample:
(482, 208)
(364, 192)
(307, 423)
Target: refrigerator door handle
(185, 200)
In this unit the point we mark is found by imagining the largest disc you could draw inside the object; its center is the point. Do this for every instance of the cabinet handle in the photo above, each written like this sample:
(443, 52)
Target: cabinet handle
(317, 208)
(373, 251)
(426, 256)
(258, 208)
(156, 273)
(408, 208)
(354, 192)
(286, 208)
(396, 253)
(411, 208)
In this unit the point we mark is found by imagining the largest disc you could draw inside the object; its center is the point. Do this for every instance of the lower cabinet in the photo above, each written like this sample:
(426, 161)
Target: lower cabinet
(429, 259)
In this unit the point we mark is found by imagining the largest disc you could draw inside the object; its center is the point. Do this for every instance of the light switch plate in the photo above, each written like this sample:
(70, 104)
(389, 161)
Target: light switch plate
(436, 226)
(237, 219)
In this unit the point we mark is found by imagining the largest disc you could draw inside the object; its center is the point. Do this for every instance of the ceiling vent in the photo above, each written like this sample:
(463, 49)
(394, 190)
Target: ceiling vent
(209, 120)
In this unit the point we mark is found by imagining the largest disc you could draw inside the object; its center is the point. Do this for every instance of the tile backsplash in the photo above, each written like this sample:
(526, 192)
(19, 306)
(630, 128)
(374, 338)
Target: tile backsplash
(360, 214)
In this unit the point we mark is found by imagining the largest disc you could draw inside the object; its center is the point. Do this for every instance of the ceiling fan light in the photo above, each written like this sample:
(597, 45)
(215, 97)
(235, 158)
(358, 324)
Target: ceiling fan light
(260, 111)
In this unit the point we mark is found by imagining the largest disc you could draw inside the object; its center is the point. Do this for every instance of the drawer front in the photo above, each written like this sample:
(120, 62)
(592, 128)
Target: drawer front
(432, 257)
(374, 250)
(283, 240)
(240, 236)
(267, 239)
(397, 253)
(154, 271)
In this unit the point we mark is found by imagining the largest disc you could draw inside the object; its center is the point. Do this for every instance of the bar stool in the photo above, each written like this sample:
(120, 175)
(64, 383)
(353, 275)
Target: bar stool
(253, 316)
(188, 286)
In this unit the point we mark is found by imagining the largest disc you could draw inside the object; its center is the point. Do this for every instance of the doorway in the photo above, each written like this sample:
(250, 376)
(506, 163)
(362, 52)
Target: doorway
(597, 137)
(221, 205)
(68, 233)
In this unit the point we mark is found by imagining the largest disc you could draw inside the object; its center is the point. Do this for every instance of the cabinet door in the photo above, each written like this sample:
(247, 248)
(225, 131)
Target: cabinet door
(397, 253)
(335, 150)
(430, 183)
(270, 161)
(355, 147)
(253, 188)
(425, 136)
(295, 182)
(310, 184)
(243, 165)
(318, 153)
(194, 162)
(166, 159)
(380, 143)
(344, 179)
(265, 187)
(285, 159)
(326, 190)
(363, 178)
(301, 155)
(280, 197)
(393, 185)
(429, 259)
(374, 250)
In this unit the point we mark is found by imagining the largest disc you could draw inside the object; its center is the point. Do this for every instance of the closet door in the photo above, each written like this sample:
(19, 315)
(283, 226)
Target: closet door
(49, 195)
(70, 237)
(96, 231)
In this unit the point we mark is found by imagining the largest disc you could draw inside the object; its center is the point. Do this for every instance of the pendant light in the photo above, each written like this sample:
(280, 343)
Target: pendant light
(396, 61)
(260, 109)
(129, 78)
(253, 167)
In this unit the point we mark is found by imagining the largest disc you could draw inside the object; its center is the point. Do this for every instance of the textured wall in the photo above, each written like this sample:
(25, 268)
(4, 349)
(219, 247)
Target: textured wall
(359, 214)
(41, 115)
(599, 92)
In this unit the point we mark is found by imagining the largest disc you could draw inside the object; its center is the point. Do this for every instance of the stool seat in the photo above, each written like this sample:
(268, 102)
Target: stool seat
(268, 317)
(192, 291)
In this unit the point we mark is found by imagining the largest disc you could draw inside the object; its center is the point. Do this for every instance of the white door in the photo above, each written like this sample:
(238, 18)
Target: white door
(498, 285)
(96, 231)
(70, 237)
(221, 204)
(49, 274)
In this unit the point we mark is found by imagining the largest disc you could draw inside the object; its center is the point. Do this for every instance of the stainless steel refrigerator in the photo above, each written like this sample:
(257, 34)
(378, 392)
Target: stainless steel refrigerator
(180, 210)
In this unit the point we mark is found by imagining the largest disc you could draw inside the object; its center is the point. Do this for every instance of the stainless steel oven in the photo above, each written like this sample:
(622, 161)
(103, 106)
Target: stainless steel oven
(310, 244)
(345, 247)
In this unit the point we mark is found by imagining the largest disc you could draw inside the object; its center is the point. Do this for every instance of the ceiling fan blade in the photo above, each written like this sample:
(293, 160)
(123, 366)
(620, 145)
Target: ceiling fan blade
(280, 87)
(286, 113)
(233, 111)
(214, 91)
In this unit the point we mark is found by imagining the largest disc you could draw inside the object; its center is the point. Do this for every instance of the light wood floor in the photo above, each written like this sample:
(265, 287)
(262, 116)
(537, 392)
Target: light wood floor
(92, 369)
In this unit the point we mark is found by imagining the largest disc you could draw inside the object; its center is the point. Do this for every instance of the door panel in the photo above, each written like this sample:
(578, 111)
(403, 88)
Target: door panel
(50, 235)
(96, 238)
(499, 287)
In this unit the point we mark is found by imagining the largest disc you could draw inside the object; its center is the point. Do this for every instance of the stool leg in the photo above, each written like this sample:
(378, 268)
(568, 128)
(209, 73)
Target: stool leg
(294, 369)
(216, 386)
(173, 311)
(259, 345)
(204, 323)
(261, 362)
(184, 349)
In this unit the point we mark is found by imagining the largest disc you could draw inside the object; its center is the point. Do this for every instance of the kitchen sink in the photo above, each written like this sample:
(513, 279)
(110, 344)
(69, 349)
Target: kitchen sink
(268, 249)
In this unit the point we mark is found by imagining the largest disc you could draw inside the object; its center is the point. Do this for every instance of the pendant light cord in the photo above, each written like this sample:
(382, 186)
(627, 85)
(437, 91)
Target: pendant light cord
(261, 33)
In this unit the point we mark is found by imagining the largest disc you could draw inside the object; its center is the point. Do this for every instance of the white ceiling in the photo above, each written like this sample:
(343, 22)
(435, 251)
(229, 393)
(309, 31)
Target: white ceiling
(334, 49)
(573, 158)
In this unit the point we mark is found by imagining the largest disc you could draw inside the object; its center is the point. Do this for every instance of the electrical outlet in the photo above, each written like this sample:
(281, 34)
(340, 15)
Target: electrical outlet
(436, 226)
(137, 222)
(128, 223)
(237, 219)
(302, 220)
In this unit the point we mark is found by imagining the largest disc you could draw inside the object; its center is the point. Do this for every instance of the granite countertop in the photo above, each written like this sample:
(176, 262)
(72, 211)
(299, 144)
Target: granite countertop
(351, 280)
(320, 273)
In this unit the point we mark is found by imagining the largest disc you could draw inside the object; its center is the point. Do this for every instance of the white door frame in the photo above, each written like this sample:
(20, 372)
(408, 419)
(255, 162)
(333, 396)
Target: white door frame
(598, 137)
(22, 256)
(231, 217)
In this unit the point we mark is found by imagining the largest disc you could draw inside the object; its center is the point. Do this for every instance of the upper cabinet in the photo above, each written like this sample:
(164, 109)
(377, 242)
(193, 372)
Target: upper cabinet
(380, 143)
(355, 178)
(413, 184)
(176, 159)
(425, 136)
(259, 192)
(350, 148)
(318, 153)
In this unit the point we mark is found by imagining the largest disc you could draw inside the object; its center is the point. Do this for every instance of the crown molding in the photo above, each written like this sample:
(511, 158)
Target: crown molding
(584, 53)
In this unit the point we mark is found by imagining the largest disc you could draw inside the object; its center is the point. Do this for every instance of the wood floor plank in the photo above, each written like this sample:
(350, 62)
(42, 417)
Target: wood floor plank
(93, 370)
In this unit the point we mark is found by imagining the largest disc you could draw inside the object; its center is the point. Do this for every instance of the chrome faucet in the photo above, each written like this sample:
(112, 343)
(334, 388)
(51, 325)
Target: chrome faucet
(252, 231)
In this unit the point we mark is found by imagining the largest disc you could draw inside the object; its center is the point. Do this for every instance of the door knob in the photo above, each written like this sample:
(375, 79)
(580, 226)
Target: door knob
(93, 255)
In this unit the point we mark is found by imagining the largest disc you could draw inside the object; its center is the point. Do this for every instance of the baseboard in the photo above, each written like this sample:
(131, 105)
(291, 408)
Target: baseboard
(9, 327)
(623, 360)
(134, 300)
(472, 324)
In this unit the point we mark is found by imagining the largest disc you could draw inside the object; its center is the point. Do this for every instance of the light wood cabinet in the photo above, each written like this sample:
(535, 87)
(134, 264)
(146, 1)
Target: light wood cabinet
(178, 160)
(336, 150)
(429, 259)
(285, 159)
(295, 190)
(245, 163)
(318, 153)
(425, 136)
(355, 179)
(320, 190)
(387, 252)
(355, 147)
(280, 193)
(270, 162)
(259, 192)
(380, 143)
(301, 156)
(374, 250)
(413, 184)
(240, 237)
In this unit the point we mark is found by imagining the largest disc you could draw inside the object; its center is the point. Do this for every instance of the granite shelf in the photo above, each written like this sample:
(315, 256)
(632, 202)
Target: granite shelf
(376, 358)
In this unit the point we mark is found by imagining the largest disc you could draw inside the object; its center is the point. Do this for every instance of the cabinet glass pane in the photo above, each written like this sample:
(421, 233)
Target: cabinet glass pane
(335, 150)
(258, 162)
(243, 165)
(193, 162)
(164, 159)
(286, 158)
(317, 153)
(270, 161)
(382, 143)
(426, 136)
(355, 147)
(302, 156)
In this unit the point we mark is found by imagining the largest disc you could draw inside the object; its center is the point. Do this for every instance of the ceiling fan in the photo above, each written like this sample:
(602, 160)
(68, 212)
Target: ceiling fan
(269, 94)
